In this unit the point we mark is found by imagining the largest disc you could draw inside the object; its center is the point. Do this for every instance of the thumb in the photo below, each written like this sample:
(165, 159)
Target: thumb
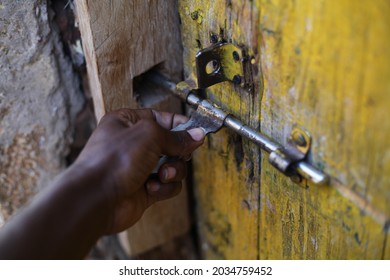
(197, 134)
(181, 143)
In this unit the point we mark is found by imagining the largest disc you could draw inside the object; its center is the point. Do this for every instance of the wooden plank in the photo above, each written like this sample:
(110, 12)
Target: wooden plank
(323, 65)
(314, 223)
(122, 40)
(386, 249)
(333, 82)
(226, 168)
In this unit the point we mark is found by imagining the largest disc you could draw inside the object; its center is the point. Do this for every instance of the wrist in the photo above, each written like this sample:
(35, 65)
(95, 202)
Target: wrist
(63, 222)
(90, 195)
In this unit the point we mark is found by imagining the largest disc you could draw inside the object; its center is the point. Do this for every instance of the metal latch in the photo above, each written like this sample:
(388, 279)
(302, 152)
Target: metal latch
(228, 62)
(219, 63)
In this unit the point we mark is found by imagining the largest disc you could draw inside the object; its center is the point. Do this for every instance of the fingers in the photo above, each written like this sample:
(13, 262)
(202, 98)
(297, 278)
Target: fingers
(167, 183)
(168, 120)
(124, 117)
(127, 117)
(161, 141)
(197, 134)
(127, 146)
(182, 143)
(157, 190)
(172, 171)
(187, 157)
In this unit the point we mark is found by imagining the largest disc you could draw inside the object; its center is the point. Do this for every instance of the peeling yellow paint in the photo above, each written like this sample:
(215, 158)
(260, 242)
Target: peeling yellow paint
(228, 194)
(324, 65)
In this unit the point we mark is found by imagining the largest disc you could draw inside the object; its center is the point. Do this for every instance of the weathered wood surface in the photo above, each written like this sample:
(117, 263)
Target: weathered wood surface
(121, 40)
(324, 65)
(227, 169)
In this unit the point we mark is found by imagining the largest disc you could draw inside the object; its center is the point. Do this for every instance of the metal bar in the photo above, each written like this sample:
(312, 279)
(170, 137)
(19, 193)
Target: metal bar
(302, 168)
(261, 140)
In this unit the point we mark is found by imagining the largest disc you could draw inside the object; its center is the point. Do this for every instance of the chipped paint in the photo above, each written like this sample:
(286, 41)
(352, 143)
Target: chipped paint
(331, 81)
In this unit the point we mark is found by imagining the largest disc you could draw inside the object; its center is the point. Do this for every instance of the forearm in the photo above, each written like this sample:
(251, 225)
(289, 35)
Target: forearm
(61, 223)
(106, 190)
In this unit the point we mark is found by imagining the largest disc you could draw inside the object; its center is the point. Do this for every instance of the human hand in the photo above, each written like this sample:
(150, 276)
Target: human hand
(123, 151)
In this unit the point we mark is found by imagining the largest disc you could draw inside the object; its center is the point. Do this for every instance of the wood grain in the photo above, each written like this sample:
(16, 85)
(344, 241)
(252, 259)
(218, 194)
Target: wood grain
(226, 169)
(323, 65)
(122, 40)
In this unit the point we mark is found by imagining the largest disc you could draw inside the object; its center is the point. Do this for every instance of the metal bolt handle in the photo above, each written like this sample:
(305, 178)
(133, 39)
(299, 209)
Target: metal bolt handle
(204, 108)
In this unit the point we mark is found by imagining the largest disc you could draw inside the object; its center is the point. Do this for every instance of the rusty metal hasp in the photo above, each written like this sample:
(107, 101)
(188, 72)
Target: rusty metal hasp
(289, 159)
(219, 63)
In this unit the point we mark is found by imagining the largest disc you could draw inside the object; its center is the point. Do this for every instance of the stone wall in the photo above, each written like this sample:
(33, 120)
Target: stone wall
(40, 98)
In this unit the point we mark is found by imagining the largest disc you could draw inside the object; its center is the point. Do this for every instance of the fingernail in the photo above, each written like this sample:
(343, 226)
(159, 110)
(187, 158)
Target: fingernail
(197, 134)
(169, 173)
(153, 186)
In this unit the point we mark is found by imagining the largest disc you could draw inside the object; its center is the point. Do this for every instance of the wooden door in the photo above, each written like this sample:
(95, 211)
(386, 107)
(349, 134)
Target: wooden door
(123, 40)
(324, 65)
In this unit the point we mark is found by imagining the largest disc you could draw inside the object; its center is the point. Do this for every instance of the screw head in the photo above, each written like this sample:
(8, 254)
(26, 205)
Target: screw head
(236, 56)
(299, 139)
(213, 38)
(194, 15)
(296, 178)
(237, 79)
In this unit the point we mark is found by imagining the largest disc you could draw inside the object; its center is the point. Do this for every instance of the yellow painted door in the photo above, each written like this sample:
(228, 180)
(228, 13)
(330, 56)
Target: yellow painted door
(325, 66)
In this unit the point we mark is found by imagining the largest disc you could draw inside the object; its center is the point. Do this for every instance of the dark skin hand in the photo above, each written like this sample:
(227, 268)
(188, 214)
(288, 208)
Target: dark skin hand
(106, 190)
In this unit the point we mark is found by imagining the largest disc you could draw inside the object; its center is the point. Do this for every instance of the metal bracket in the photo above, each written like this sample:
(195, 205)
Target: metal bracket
(219, 63)
(206, 116)
(296, 150)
